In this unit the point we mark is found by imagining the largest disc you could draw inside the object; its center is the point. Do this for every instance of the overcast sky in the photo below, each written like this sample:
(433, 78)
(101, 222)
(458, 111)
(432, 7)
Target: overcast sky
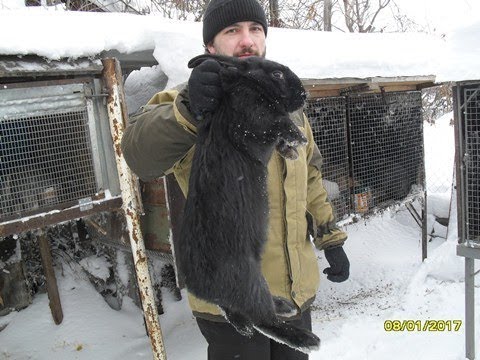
(441, 15)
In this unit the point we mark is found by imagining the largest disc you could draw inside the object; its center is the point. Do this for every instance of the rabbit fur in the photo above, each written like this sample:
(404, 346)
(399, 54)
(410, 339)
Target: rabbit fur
(226, 212)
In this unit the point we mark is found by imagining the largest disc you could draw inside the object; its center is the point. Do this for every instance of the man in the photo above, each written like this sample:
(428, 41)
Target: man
(161, 140)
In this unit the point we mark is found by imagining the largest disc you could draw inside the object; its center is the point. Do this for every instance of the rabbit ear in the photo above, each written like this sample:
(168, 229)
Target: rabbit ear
(227, 61)
(223, 60)
(197, 60)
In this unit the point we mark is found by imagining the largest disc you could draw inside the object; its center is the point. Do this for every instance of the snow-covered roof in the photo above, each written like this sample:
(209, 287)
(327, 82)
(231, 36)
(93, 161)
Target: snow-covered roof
(32, 66)
(311, 54)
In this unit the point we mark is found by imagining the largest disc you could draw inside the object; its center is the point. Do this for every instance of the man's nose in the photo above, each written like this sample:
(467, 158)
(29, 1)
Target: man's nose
(246, 40)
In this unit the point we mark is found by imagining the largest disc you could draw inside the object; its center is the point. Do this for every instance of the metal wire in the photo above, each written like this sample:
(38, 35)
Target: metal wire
(386, 137)
(45, 160)
(472, 162)
(328, 120)
(372, 146)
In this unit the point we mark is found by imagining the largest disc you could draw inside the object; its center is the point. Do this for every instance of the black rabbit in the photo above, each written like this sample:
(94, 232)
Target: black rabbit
(226, 212)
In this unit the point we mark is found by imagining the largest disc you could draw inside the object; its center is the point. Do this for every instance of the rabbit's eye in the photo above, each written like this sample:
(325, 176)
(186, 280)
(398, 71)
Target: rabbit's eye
(277, 74)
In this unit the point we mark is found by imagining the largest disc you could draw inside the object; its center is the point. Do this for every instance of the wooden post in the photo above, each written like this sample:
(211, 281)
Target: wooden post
(51, 280)
(132, 205)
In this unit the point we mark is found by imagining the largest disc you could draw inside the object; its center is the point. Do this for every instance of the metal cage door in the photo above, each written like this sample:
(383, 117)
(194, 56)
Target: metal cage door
(472, 163)
(49, 156)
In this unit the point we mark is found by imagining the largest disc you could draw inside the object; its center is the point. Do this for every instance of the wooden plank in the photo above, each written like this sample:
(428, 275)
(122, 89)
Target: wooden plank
(372, 80)
(335, 87)
(330, 91)
(319, 93)
(42, 220)
(41, 83)
(393, 88)
(51, 280)
(133, 60)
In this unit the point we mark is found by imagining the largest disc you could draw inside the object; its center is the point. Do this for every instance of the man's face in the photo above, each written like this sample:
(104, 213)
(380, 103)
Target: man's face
(241, 39)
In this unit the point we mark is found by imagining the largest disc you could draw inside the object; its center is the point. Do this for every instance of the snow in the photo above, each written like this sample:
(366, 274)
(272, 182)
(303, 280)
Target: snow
(310, 54)
(388, 279)
(98, 266)
(90, 330)
(388, 282)
(142, 84)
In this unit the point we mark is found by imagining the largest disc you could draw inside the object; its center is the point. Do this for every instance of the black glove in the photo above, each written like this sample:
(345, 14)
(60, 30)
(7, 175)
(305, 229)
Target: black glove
(339, 269)
(205, 88)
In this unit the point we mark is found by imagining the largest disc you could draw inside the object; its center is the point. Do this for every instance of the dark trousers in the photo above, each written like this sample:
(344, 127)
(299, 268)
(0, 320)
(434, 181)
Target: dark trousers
(225, 343)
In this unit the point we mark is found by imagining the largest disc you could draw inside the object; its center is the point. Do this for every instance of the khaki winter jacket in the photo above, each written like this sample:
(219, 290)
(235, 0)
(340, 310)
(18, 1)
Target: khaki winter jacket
(161, 138)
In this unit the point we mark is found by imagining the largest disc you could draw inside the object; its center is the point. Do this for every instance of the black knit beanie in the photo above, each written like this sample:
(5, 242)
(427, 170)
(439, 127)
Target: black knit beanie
(223, 13)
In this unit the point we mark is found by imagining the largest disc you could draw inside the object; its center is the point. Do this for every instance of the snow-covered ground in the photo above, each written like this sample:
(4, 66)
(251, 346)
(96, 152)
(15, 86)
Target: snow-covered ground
(388, 282)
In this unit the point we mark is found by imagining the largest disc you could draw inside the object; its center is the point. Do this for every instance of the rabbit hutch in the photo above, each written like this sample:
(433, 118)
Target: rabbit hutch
(466, 100)
(60, 163)
(55, 159)
(370, 134)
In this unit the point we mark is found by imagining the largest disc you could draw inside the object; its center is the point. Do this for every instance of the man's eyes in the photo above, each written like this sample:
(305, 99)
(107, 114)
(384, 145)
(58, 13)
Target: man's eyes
(252, 29)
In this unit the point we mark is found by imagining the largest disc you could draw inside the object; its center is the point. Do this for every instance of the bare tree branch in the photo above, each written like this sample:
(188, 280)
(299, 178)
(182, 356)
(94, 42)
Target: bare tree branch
(360, 15)
(357, 15)
(381, 6)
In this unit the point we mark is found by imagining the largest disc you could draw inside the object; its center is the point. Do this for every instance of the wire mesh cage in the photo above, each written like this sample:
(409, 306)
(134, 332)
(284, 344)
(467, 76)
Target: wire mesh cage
(328, 120)
(45, 160)
(49, 149)
(386, 138)
(466, 101)
(372, 146)
(472, 163)
(469, 143)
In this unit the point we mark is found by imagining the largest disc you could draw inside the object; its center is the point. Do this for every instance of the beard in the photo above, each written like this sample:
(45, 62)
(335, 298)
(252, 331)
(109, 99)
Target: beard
(251, 52)
(238, 54)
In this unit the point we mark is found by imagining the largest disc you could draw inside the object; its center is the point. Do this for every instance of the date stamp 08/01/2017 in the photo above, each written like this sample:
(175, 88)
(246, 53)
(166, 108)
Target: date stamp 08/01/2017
(422, 325)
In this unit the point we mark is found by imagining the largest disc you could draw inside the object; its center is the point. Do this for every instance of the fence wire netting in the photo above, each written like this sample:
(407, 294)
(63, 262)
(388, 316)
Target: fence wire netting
(328, 119)
(472, 162)
(45, 160)
(372, 145)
